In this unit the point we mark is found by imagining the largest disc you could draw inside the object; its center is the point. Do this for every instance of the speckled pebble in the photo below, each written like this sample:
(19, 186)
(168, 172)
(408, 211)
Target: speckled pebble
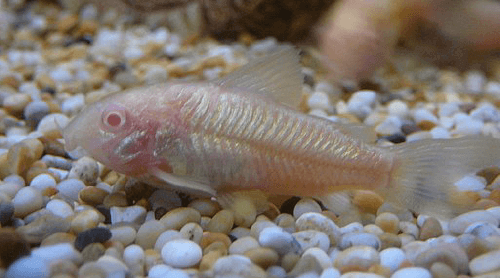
(26, 201)
(85, 169)
(318, 222)
(148, 233)
(98, 234)
(311, 238)
(181, 253)
(357, 239)
(132, 214)
(191, 231)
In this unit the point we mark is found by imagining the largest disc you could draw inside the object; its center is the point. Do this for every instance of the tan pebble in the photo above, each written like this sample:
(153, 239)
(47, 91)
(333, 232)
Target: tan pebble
(22, 155)
(307, 263)
(192, 231)
(13, 246)
(87, 27)
(430, 229)
(489, 173)
(85, 220)
(208, 260)
(380, 270)
(244, 212)
(478, 247)
(116, 199)
(49, 191)
(42, 227)
(204, 222)
(44, 81)
(63, 269)
(484, 204)
(388, 222)
(442, 270)
(357, 258)
(179, 217)
(10, 81)
(4, 166)
(241, 245)
(215, 61)
(93, 252)
(151, 258)
(92, 195)
(367, 201)
(289, 260)
(449, 253)
(495, 195)
(67, 22)
(148, 234)
(222, 222)
(272, 212)
(388, 240)
(206, 206)
(111, 177)
(92, 270)
(57, 238)
(15, 104)
(209, 238)
(263, 257)
(426, 125)
(216, 246)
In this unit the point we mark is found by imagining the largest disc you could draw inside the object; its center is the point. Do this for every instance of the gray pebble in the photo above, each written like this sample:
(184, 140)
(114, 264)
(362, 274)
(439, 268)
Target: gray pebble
(70, 188)
(35, 111)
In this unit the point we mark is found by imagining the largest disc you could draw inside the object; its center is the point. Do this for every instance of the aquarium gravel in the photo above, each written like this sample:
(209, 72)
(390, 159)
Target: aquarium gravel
(63, 215)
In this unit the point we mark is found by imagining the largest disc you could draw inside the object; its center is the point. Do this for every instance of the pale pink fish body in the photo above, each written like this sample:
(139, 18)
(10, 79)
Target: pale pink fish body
(229, 135)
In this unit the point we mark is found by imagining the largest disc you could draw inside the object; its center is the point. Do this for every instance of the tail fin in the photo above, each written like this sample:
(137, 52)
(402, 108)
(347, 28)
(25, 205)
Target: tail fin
(425, 172)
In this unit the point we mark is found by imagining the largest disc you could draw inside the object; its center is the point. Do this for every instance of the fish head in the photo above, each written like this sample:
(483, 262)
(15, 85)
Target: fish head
(112, 132)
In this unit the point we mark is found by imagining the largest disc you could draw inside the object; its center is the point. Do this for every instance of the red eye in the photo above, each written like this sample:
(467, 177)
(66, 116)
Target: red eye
(113, 119)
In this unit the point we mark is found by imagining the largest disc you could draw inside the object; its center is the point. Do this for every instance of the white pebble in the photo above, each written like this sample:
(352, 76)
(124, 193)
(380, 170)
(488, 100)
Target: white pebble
(474, 81)
(305, 205)
(330, 273)
(471, 183)
(28, 267)
(440, 133)
(70, 188)
(159, 271)
(26, 201)
(132, 214)
(43, 181)
(56, 252)
(319, 100)
(424, 115)
(321, 257)
(485, 263)
(485, 112)
(492, 88)
(447, 122)
(448, 109)
(361, 103)
(391, 125)
(10, 189)
(59, 208)
(352, 228)
(124, 234)
(52, 122)
(468, 126)
(73, 104)
(398, 108)
(277, 239)
(181, 253)
(113, 266)
(155, 74)
(133, 256)
(392, 258)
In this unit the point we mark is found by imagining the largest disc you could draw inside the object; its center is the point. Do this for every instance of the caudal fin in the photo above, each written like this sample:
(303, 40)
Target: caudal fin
(425, 172)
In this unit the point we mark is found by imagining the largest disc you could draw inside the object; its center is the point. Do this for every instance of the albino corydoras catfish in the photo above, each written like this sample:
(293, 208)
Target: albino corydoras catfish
(232, 134)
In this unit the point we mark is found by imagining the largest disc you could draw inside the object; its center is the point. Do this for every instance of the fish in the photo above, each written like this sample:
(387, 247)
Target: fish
(242, 133)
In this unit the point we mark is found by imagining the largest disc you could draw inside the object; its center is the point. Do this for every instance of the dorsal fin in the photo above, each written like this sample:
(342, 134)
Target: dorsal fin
(277, 75)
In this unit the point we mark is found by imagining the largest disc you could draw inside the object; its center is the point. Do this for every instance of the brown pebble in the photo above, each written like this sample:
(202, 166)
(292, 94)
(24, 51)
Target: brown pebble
(367, 201)
(478, 247)
(289, 260)
(495, 195)
(483, 204)
(489, 173)
(87, 27)
(263, 257)
(426, 125)
(57, 238)
(13, 246)
(67, 22)
(216, 246)
(388, 240)
(177, 218)
(430, 229)
(380, 270)
(116, 199)
(93, 252)
(42, 227)
(209, 238)
(92, 195)
(272, 212)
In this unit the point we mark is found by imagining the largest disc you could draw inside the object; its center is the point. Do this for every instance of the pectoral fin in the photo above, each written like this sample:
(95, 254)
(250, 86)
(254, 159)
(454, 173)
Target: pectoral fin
(184, 183)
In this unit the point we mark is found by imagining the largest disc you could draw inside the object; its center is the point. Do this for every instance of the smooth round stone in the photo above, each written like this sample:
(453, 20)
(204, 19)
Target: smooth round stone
(319, 100)
(93, 252)
(237, 266)
(485, 263)
(412, 272)
(241, 245)
(372, 229)
(285, 221)
(167, 199)
(26, 201)
(388, 240)
(148, 233)
(165, 237)
(177, 218)
(51, 122)
(277, 239)
(159, 271)
(402, 213)
(311, 238)
(258, 226)
(359, 239)
(70, 188)
(132, 214)
(451, 254)
(245, 212)
(482, 230)
(404, 239)
(43, 181)
(35, 111)
(86, 219)
(181, 253)
(358, 256)
(431, 228)
(330, 273)
(133, 256)
(278, 272)
(392, 258)
(85, 169)
(209, 238)
(28, 267)
(461, 222)
(93, 195)
(388, 222)
(57, 252)
(409, 228)
(263, 257)
(206, 207)
(305, 205)
(192, 231)
(124, 234)
(441, 270)
(221, 222)
(239, 232)
(318, 222)
(321, 257)
(113, 267)
(59, 208)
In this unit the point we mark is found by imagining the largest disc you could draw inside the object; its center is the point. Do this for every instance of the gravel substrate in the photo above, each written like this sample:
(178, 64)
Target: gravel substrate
(62, 215)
